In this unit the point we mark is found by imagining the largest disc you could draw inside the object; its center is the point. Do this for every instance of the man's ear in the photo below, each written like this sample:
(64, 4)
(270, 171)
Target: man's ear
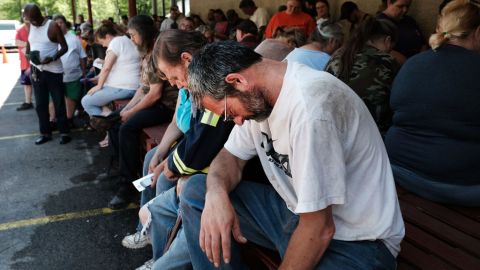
(238, 81)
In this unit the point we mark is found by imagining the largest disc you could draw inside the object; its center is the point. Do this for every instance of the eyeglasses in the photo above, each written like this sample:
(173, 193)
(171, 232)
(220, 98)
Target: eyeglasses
(226, 117)
(132, 35)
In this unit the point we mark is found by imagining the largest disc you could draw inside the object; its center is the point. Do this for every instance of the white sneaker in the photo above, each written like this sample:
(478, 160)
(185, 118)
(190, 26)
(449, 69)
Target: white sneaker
(147, 265)
(135, 241)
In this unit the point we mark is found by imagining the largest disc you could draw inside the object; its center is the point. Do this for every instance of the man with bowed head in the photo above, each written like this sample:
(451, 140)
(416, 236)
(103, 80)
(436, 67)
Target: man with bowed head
(332, 202)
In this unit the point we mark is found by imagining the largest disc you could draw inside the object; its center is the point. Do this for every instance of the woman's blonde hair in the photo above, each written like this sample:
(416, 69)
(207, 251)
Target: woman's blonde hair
(457, 20)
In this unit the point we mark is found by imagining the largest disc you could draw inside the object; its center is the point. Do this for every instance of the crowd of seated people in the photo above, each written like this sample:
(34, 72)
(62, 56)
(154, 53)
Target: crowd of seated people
(365, 92)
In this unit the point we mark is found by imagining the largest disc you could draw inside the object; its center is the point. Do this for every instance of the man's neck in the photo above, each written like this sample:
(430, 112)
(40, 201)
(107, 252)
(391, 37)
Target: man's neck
(269, 76)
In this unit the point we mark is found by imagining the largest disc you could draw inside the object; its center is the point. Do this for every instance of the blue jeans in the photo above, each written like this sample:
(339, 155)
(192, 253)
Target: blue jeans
(436, 191)
(163, 184)
(265, 220)
(164, 210)
(93, 103)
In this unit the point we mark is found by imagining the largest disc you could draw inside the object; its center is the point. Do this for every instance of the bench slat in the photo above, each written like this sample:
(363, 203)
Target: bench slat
(440, 230)
(440, 249)
(446, 215)
(420, 259)
(473, 213)
(153, 136)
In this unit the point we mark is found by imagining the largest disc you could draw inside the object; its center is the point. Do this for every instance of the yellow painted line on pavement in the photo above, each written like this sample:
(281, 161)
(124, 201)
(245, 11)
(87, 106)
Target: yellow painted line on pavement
(62, 217)
(12, 103)
(32, 135)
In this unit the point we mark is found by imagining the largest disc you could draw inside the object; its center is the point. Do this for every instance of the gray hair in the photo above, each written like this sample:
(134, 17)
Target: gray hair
(326, 31)
(210, 66)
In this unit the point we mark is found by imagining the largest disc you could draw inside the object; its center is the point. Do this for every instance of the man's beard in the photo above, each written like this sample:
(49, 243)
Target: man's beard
(256, 103)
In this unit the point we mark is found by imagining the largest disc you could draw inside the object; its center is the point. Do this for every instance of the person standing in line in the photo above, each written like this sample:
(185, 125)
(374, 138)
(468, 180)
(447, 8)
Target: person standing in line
(44, 52)
(21, 39)
(74, 63)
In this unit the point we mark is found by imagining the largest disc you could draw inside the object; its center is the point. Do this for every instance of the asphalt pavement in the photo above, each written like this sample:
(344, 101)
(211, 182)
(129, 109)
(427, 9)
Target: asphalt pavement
(53, 211)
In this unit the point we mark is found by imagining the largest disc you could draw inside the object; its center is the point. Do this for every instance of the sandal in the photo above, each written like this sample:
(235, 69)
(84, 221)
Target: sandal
(103, 143)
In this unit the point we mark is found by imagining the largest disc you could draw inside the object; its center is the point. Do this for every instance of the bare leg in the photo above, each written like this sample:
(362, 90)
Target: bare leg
(28, 93)
(51, 111)
(71, 104)
(106, 111)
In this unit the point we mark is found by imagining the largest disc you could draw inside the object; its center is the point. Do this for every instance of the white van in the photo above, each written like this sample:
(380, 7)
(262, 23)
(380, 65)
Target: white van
(8, 30)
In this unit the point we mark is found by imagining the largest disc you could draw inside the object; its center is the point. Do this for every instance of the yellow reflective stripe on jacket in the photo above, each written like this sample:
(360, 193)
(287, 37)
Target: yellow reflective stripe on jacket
(182, 168)
(209, 118)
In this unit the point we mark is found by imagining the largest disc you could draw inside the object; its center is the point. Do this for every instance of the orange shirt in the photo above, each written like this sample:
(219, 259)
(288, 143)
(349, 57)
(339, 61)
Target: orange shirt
(282, 19)
(22, 34)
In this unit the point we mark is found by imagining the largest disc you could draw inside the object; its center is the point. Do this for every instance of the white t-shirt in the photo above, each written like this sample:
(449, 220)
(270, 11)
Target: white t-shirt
(125, 73)
(71, 59)
(260, 17)
(321, 147)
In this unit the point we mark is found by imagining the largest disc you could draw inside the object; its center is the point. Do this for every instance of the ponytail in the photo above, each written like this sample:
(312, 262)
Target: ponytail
(370, 29)
(457, 20)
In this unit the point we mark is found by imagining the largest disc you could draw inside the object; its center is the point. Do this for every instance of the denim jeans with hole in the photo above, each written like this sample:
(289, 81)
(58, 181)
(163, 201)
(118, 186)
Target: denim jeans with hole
(164, 210)
(265, 220)
(149, 193)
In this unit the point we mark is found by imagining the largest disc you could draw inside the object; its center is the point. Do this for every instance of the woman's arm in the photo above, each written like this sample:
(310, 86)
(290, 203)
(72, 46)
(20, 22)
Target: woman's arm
(110, 60)
(171, 135)
(147, 100)
(139, 95)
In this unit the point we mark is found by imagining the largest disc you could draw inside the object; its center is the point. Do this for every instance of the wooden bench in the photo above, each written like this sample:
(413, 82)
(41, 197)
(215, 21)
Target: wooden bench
(152, 136)
(437, 237)
(119, 103)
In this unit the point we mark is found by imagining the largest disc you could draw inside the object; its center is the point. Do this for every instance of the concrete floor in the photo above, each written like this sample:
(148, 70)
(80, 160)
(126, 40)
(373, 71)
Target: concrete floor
(52, 206)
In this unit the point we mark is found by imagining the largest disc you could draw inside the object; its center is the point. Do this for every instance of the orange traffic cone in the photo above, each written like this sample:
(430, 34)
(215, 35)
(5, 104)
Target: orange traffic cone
(4, 54)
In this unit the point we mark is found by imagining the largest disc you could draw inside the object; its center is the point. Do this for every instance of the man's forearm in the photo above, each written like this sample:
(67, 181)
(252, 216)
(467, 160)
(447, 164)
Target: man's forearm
(309, 240)
(225, 172)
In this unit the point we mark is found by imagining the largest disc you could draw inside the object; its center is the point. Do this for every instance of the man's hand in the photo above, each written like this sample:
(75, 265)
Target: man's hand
(168, 173)
(94, 89)
(47, 60)
(157, 170)
(153, 163)
(219, 222)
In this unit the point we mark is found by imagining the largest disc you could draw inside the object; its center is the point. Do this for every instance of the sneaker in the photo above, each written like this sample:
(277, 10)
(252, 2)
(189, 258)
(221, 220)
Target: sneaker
(25, 106)
(135, 241)
(147, 265)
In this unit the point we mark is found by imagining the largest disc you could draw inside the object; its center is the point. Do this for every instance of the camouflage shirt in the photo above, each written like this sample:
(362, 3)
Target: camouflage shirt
(371, 78)
(149, 76)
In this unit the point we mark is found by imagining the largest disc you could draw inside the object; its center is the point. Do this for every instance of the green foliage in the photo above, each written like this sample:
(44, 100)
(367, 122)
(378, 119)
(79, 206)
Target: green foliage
(101, 9)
